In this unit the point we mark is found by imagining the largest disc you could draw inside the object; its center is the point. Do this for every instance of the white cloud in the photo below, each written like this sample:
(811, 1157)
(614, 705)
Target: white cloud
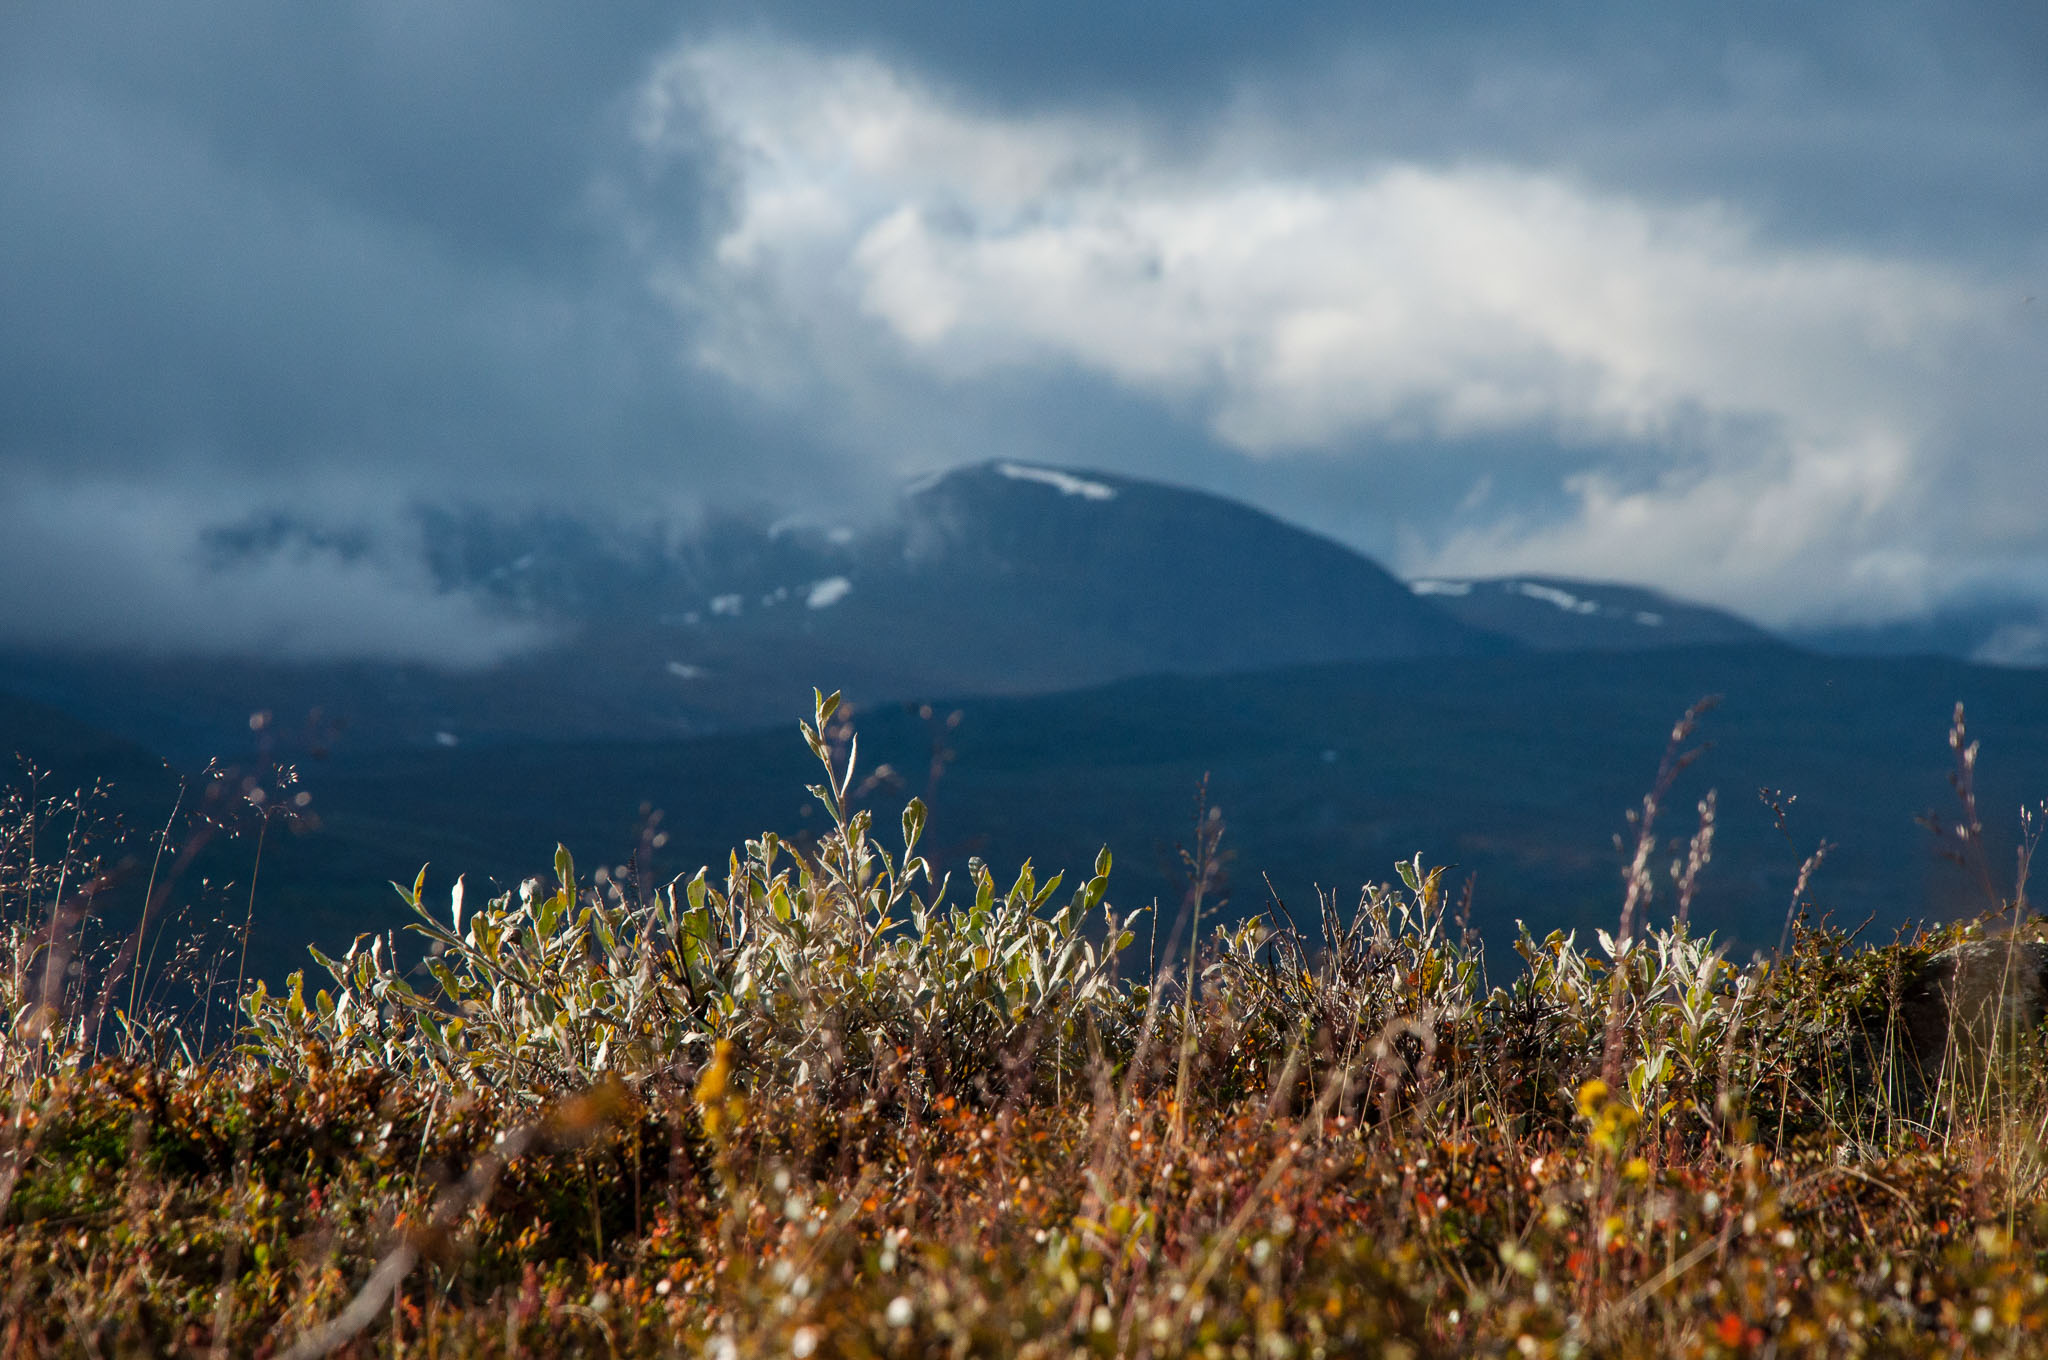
(1774, 407)
(1773, 533)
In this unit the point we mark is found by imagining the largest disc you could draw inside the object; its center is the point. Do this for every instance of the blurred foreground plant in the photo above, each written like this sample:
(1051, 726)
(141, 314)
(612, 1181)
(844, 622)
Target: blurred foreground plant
(816, 1109)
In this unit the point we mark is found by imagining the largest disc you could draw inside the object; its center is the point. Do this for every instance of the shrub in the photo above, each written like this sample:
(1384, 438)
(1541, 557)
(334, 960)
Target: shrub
(823, 966)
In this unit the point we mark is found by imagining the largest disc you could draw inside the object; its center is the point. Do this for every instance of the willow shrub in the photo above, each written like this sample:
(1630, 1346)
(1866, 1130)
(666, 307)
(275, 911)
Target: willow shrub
(822, 966)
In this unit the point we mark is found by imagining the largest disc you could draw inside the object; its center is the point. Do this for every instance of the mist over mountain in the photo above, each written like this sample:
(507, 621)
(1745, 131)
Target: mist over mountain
(1998, 630)
(999, 578)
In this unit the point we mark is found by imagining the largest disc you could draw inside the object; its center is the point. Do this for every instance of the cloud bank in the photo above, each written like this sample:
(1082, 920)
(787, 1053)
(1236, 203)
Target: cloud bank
(1731, 302)
(1755, 417)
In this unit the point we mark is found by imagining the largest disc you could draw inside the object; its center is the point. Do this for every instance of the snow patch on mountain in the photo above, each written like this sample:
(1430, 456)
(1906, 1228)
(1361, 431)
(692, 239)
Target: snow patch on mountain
(1563, 599)
(1066, 483)
(828, 592)
(1451, 588)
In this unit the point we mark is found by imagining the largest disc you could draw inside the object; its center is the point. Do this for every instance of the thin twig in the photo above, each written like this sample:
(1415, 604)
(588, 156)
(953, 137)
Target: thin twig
(376, 1294)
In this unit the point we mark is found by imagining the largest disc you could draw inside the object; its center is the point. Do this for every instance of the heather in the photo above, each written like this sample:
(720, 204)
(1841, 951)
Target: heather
(816, 1103)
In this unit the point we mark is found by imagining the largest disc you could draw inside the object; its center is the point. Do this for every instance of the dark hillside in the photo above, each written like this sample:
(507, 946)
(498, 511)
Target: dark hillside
(76, 754)
(1516, 768)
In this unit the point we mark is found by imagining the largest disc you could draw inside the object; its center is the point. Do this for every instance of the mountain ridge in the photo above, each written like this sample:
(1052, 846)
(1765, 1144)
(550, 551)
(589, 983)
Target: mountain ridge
(998, 577)
(1562, 613)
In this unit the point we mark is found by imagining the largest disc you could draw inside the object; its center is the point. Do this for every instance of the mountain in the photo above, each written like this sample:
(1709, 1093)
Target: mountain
(2007, 631)
(999, 578)
(1552, 614)
(1008, 578)
(127, 794)
(67, 755)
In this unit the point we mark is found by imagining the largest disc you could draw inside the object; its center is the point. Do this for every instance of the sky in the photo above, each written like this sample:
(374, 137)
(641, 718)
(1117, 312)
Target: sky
(1735, 301)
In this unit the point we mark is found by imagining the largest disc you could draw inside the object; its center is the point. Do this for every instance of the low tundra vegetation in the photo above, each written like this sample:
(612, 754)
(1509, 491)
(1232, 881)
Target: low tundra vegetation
(820, 1104)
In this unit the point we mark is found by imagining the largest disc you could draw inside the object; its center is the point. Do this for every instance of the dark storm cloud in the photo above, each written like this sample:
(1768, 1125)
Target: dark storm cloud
(336, 261)
(330, 262)
(1900, 121)
(476, 122)
(278, 243)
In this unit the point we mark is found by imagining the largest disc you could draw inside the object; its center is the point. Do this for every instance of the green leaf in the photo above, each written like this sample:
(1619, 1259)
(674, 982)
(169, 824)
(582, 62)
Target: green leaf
(565, 870)
(337, 970)
(852, 759)
(411, 896)
(434, 930)
(1102, 862)
(913, 824)
(449, 985)
(551, 913)
(1026, 885)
